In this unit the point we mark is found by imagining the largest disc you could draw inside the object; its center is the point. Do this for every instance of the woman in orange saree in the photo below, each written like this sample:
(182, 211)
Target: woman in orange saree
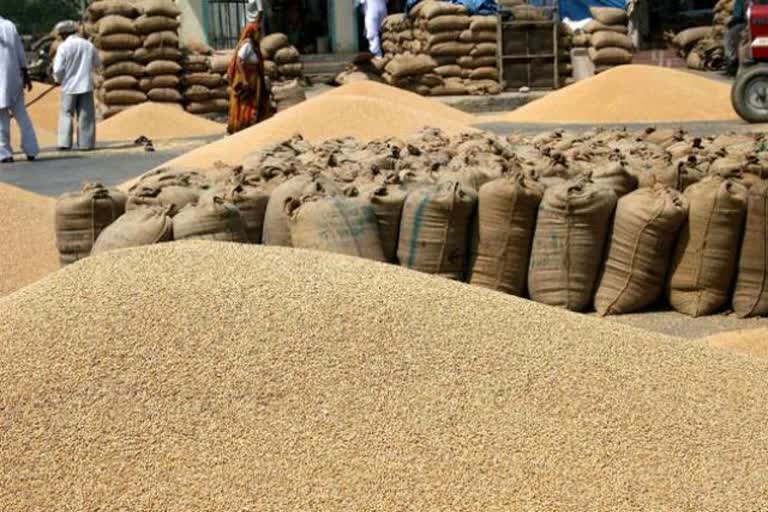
(249, 101)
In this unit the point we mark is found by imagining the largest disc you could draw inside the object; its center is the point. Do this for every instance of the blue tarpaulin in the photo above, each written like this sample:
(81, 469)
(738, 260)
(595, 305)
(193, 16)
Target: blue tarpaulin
(579, 9)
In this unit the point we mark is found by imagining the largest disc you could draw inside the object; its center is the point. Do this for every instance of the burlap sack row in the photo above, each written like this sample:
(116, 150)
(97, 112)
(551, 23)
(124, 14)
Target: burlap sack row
(609, 42)
(703, 47)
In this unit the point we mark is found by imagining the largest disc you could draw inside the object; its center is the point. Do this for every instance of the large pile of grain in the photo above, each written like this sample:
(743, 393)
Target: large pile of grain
(216, 376)
(752, 341)
(156, 121)
(44, 114)
(320, 118)
(633, 94)
(27, 250)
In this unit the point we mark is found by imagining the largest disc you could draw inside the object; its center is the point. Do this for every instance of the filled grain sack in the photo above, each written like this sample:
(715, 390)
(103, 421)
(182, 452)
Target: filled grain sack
(123, 68)
(272, 43)
(164, 196)
(197, 93)
(484, 50)
(220, 63)
(287, 55)
(645, 229)
(198, 47)
(162, 67)
(571, 231)
(210, 106)
(610, 56)
(164, 38)
(410, 65)
(102, 8)
(453, 70)
(434, 230)
(750, 297)
(448, 23)
(339, 224)
(276, 227)
(212, 218)
(483, 23)
(506, 220)
(81, 216)
(252, 202)
(120, 82)
(220, 93)
(615, 176)
(595, 26)
(149, 24)
(147, 55)
(164, 82)
(165, 95)
(290, 70)
(209, 80)
(111, 57)
(432, 9)
(288, 94)
(118, 42)
(608, 39)
(686, 39)
(114, 24)
(706, 254)
(142, 226)
(451, 49)
(387, 204)
(609, 15)
(166, 8)
(124, 97)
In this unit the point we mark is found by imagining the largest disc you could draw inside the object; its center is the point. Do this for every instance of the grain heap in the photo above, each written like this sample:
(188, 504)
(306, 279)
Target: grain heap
(656, 95)
(158, 122)
(204, 79)
(753, 342)
(441, 50)
(708, 53)
(28, 252)
(610, 45)
(325, 369)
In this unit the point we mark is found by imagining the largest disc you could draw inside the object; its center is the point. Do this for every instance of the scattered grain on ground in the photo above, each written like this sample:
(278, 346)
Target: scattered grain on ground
(27, 238)
(156, 121)
(199, 376)
(44, 114)
(633, 94)
(751, 341)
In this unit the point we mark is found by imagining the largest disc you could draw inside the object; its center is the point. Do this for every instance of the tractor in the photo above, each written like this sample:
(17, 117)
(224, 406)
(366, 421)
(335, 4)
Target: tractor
(749, 94)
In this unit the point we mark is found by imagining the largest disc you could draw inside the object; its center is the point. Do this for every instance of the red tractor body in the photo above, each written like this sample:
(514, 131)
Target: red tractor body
(749, 94)
(758, 31)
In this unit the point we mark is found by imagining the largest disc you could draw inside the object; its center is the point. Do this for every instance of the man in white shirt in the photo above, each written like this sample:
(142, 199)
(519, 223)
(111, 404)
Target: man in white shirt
(374, 12)
(75, 61)
(13, 79)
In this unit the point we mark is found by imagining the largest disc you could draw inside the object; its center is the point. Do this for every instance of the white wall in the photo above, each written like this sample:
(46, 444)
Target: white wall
(192, 16)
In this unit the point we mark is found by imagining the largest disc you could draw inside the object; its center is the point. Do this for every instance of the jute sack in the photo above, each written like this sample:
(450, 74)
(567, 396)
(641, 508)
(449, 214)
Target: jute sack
(82, 216)
(111, 57)
(484, 73)
(147, 55)
(209, 80)
(118, 42)
(595, 26)
(287, 55)
(506, 221)
(609, 15)
(448, 23)
(341, 225)
(608, 39)
(435, 228)
(195, 63)
(484, 50)
(288, 94)
(483, 23)
(252, 202)
(610, 56)
(164, 82)
(689, 37)
(148, 24)
(751, 295)
(162, 67)
(212, 218)
(442, 37)
(159, 8)
(276, 228)
(164, 196)
(208, 107)
(142, 226)
(706, 254)
(616, 177)
(387, 203)
(469, 62)
(145, 85)
(448, 71)
(124, 97)
(291, 70)
(272, 43)
(198, 47)
(120, 82)
(410, 65)
(123, 68)
(164, 38)
(450, 87)
(165, 95)
(103, 8)
(197, 93)
(645, 229)
(451, 49)
(114, 24)
(220, 63)
(220, 93)
(433, 9)
(571, 231)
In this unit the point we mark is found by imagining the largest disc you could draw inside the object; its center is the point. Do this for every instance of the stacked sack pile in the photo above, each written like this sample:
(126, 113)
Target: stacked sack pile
(709, 53)
(686, 42)
(204, 79)
(139, 48)
(441, 50)
(283, 66)
(609, 42)
(610, 220)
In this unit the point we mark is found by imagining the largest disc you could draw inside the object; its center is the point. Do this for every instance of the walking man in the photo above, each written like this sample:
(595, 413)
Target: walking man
(75, 61)
(374, 12)
(13, 79)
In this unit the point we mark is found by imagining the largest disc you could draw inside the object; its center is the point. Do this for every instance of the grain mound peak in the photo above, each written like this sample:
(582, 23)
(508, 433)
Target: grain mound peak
(199, 376)
(749, 341)
(156, 121)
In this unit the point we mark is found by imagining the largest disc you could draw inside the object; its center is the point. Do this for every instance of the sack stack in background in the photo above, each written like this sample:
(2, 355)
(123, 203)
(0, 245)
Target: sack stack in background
(708, 53)
(282, 61)
(609, 42)
(204, 79)
(441, 50)
(687, 41)
(159, 28)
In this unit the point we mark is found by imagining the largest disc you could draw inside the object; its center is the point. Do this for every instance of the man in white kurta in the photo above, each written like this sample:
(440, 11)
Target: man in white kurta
(76, 59)
(374, 12)
(13, 79)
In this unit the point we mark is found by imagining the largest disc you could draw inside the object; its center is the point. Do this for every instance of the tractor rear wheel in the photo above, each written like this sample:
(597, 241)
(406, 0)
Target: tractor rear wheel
(749, 95)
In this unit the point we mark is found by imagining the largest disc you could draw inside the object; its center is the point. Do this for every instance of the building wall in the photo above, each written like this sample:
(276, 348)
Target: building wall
(193, 20)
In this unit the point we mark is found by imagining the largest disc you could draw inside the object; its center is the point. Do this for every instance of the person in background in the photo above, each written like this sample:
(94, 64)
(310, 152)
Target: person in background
(13, 79)
(734, 36)
(76, 60)
(249, 101)
(374, 12)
